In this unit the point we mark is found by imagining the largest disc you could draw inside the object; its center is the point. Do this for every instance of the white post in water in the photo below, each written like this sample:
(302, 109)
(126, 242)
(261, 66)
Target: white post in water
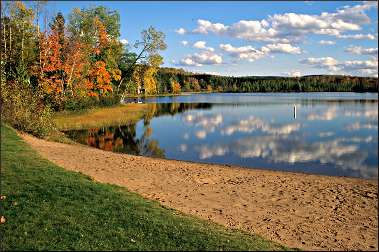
(294, 111)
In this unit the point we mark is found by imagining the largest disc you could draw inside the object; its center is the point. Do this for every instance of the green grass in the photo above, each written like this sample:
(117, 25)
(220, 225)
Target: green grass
(49, 208)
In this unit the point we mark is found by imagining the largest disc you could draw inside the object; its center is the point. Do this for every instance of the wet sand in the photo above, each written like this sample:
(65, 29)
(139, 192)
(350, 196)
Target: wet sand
(310, 212)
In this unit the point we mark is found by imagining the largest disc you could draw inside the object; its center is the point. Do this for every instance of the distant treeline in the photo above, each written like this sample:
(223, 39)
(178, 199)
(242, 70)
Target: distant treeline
(312, 83)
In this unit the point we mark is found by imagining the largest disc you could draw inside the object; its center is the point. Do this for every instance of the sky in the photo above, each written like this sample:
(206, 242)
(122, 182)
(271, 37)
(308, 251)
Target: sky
(254, 38)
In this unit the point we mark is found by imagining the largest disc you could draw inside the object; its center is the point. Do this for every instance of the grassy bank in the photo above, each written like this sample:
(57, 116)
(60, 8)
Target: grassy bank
(100, 117)
(168, 94)
(49, 208)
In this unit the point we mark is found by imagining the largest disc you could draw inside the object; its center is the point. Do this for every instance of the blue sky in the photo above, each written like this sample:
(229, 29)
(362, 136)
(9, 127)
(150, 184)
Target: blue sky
(255, 38)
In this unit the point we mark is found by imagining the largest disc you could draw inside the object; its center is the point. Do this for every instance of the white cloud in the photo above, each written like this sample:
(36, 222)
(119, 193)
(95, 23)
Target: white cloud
(362, 51)
(181, 31)
(293, 73)
(363, 67)
(357, 36)
(327, 42)
(324, 62)
(202, 58)
(245, 52)
(124, 41)
(253, 30)
(202, 45)
(184, 42)
(282, 28)
(205, 26)
(251, 54)
(281, 48)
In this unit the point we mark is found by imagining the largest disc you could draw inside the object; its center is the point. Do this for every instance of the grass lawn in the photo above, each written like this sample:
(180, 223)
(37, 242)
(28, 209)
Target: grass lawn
(100, 117)
(49, 208)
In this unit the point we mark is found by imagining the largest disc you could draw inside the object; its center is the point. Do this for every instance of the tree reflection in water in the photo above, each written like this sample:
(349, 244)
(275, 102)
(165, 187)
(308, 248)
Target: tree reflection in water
(124, 139)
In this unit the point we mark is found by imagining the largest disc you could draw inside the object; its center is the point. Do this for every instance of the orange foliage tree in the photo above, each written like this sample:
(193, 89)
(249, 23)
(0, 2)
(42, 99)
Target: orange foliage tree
(51, 79)
(75, 67)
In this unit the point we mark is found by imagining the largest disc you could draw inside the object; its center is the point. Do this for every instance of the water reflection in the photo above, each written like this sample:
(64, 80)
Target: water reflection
(332, 138)
(124, 138)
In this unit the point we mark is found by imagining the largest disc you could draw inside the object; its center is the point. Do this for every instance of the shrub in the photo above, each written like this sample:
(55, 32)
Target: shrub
(80, 103)
(24, 110)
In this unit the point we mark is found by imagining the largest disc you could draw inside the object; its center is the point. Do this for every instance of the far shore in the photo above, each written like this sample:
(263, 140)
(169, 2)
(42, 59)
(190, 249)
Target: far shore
(312, 212)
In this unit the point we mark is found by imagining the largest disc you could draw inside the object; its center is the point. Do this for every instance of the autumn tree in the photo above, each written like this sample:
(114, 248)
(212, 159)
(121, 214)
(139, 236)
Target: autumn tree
(98, 30)
(151, 43)
(175, 86)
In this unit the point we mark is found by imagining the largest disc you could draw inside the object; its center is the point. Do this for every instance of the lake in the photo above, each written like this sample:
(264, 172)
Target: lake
(320, 133)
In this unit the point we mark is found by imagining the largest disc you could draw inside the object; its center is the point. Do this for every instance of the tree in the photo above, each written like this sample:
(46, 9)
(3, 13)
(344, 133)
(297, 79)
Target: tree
(149, 78)
(58, 25)
(175, 86)
(152, 42)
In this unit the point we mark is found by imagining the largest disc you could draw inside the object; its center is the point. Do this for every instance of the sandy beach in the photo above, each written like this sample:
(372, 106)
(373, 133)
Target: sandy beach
(298, 210)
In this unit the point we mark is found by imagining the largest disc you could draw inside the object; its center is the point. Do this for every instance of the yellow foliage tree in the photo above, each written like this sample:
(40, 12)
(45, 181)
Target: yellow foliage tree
(175, 86)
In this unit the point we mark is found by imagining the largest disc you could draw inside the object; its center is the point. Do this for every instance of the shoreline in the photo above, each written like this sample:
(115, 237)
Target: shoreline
(240, 167)
(307, 211)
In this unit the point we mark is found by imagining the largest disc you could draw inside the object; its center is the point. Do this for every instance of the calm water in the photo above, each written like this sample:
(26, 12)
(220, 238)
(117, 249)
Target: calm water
(331, 133)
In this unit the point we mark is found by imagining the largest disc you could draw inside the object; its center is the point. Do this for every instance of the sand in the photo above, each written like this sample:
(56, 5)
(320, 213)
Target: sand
(305, 211)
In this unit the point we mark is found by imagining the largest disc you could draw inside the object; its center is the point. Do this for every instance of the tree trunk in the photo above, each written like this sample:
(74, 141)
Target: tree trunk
(22, 44)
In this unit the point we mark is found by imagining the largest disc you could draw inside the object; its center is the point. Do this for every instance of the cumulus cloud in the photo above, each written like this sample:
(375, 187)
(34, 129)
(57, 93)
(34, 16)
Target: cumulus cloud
(362, 51)
(359, 36)
(281, 48)
(244, 52)
(363, 67)
(324, 62)
(181, 31)
(202, 45)
(327, 42)
(205, 27)
(184, 42)
(282, 28)
(251, 54)
(202, 58)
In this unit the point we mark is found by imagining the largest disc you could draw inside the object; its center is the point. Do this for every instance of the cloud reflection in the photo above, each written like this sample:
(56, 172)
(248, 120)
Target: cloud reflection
(371, 113)
(358, 126)
(253, 123)
(340, 152)
(207, 123)
(327, 115)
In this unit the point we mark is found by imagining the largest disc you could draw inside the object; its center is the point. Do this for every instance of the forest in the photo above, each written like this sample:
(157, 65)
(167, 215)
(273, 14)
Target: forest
(51, 63)
(313, 83)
